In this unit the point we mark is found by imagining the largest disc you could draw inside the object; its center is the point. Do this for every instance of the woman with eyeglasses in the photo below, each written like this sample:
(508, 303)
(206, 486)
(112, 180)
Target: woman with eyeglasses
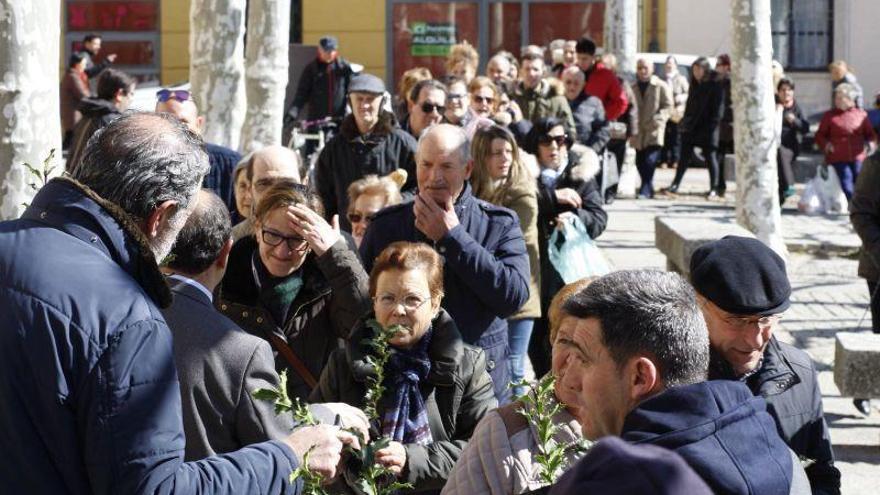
(296, 283)
(501, 177)
(369, 195)
(567, 189)
(436, 387)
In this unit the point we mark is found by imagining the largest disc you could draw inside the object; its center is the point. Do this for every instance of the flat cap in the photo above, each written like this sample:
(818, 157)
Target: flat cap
(328, 43)
(741, 276)
(366, 83)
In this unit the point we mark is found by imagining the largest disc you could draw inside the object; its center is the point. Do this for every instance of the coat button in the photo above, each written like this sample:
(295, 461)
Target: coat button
(259, 319)
(490, 364)
(244, 314)
(441, 249)
(223, 307)
(43, 215)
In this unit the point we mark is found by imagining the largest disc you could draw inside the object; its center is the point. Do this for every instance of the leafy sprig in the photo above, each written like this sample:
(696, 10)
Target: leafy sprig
(40, 176)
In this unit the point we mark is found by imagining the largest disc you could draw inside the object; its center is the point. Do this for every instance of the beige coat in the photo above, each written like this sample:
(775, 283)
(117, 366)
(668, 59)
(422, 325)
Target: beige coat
(680, 88)
(655, 106)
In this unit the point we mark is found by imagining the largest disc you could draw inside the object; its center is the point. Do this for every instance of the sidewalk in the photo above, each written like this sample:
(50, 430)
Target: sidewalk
(827, 297)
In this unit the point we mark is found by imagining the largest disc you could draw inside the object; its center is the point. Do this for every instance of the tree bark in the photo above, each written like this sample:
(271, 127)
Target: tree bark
(268, 29)
(754, 122)
(216, 68)
(30, 120)
(621, 34)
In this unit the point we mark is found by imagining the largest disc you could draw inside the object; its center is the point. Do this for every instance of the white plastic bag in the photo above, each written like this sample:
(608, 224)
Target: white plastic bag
(573, 253)
(809, 202)
(827, 187)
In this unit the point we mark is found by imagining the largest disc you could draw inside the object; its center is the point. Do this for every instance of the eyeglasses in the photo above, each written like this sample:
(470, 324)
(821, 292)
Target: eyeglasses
(410, 302)
(547, 139)
(744, 322)
(164, 95)
(430, 107)
(484, 99)
(355, 217)
(294, 243)
(454, 96)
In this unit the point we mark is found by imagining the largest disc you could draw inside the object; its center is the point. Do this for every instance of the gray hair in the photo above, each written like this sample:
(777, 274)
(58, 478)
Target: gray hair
(462, 143)
(847, 90)
(575, 71)
(141, 160)
(648, 312)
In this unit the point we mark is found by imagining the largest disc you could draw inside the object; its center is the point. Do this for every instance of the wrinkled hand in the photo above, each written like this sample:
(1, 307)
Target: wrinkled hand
(872, 147)
(313, 228)
(517, 111)
(562, 218)
(393, 457)
(568, 196)
(829, 148)
(434, 220)
(111, 58)
(790, 118)
(350, 417)
(324, 445)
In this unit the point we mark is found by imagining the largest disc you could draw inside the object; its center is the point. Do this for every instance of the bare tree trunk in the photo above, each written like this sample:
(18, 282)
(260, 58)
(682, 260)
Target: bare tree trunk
(622, 34)
(30, 120)
(216, 67)
(754, 112)
(268, 29)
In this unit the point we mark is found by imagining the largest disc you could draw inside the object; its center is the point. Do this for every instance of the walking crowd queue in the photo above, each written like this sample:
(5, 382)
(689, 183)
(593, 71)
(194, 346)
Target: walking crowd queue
(153, 289)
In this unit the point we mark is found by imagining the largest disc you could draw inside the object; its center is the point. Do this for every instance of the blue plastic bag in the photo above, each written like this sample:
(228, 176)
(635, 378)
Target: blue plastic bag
(573, 253)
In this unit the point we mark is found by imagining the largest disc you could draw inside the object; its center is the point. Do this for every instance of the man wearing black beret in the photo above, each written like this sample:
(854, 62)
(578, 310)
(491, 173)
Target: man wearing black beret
(743, 290)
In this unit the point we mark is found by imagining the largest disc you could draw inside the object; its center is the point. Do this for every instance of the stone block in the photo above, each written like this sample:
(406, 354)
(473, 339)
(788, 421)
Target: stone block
(679, 237)
(857, 364)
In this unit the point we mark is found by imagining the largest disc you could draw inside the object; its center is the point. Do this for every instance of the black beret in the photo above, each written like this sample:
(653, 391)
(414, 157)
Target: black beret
(366, 83)
(328, 43)
(741, 276)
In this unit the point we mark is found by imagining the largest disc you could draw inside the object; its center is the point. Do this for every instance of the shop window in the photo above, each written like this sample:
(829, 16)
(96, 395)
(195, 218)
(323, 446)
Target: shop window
(802, 36)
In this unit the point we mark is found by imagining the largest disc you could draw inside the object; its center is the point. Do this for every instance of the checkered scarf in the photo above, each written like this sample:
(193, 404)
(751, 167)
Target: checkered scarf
(406, 418)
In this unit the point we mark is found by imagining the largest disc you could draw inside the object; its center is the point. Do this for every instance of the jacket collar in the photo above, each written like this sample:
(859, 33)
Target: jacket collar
(188, 289)
(445, 351)
(73, 208)
(383, 127)
(776, 375)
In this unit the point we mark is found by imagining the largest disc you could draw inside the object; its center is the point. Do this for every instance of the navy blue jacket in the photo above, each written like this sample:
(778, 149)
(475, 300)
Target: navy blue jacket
(485, 275)
(91, 401)
(219, 178)
(723, 432)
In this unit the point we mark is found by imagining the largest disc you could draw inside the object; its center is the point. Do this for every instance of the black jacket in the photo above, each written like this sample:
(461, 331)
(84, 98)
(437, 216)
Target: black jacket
(590, 125)
(350, 156)
(458, 393)
(701, 123)
(787, 380)
(324, 88)
(219, 178)
(333, 297)
(96, 113)
(793, 132)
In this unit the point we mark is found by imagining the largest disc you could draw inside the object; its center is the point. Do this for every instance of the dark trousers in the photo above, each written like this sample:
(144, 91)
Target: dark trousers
(671, 144)
(646, 162)
(710, 154)
(785, 158)
(847, 172)
(875, 306)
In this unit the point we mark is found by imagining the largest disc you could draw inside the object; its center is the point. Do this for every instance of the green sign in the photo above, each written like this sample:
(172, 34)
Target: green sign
(431, 39)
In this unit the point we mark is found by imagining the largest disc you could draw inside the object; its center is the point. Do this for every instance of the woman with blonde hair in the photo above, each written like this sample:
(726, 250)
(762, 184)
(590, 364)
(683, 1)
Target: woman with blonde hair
(407, 81)
(369, 195)
(501, 177)
(462, 61)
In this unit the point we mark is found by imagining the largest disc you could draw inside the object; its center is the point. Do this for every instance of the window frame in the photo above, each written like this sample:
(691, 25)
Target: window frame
(791, 34)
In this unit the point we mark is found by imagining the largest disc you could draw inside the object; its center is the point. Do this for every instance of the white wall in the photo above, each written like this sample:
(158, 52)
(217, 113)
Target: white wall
(702, 27)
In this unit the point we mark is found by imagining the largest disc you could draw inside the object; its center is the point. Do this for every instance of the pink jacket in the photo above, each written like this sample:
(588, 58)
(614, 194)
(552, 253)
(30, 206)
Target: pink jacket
(848, 131)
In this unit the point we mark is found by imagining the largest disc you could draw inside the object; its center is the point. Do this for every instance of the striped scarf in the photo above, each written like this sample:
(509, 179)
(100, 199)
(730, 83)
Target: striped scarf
(406, 418)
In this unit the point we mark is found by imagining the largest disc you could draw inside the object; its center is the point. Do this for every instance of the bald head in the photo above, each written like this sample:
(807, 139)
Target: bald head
(185, 111)
(269, 164)
(443, 162)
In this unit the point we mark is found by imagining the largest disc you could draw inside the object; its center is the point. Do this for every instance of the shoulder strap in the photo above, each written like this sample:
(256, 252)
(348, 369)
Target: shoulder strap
(514, 422)
(292, 359)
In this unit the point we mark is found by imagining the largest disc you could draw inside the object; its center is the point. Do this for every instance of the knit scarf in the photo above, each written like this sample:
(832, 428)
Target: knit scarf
(276, 293)
(406, 418)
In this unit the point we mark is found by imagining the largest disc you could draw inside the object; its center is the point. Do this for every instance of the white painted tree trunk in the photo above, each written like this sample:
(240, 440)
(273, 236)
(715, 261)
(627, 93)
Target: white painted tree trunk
(30, 121)
(268, 27)
(216, 67)
(754, 111)
(622, 34)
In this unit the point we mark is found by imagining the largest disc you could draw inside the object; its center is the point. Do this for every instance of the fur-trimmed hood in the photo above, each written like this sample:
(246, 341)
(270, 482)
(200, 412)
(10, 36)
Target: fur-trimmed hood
(583, 163)
(545, 89)
(384, 126)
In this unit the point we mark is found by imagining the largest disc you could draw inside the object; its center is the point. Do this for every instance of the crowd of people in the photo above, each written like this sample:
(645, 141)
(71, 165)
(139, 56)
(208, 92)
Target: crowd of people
(163, 280)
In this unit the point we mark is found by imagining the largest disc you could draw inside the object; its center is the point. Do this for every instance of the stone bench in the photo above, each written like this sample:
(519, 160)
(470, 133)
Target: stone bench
(679, 237)
(857, 364)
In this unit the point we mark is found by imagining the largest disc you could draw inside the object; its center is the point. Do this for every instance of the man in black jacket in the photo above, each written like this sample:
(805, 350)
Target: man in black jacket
(743, 290)
(91, 48)
(369, 142)
(323, 85)
(589, 114)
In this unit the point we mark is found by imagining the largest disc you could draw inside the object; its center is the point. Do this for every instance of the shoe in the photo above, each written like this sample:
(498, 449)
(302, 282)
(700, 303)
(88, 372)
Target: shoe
(672, 189)
(721, 192)
(712, 194)
(863, 405)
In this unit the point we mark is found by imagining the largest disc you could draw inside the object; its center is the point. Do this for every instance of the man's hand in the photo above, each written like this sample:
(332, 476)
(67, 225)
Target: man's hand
(872, 147)
(829, 148)
(350, 417)
(111, 58)
(568, 196)
(434, 220)
(313, 228)
(393, 457)
(324, 445)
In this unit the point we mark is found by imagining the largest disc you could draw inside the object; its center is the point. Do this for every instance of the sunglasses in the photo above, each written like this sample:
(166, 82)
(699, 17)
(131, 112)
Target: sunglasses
(483, 99)
(547, 139)
(430, 107)
(354, 217)
(164, 95)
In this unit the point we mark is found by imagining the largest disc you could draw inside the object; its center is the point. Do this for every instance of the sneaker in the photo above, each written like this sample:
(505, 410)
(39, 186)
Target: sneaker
(863, 405)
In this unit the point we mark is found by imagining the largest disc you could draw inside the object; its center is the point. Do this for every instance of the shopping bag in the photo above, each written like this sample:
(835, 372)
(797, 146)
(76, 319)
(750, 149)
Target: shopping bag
(809, 202)
(827, 186)
(573, 253)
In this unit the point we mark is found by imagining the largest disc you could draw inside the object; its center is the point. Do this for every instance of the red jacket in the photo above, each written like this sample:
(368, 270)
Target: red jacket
(848, 132)
(603, 84)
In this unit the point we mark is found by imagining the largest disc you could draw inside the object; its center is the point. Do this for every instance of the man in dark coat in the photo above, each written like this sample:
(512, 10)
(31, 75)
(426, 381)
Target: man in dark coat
(486, 269)
(323, 85)
(591, 128)
(743, 290)
(636, 352)
(368, 143)
(90, 391)
(223, 160)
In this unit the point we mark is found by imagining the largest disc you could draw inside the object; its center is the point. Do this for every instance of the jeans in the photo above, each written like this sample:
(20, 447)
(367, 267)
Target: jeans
(519, 332)
(847, 172)
(646, 162)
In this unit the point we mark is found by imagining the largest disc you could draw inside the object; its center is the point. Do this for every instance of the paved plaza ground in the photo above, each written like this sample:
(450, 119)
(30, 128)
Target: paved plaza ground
(827, 297)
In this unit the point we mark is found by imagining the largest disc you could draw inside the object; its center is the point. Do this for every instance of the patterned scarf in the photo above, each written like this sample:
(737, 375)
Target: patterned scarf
(406, 418)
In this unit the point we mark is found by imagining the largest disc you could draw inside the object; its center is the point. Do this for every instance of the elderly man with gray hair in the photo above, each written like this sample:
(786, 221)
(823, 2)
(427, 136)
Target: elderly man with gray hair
(486, 265)
(91, 396)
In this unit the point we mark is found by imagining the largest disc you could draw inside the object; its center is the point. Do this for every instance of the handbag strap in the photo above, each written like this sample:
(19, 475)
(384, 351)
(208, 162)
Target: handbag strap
(295, 362)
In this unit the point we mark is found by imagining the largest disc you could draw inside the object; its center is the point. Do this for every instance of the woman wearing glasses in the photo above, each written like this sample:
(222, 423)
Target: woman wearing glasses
(296, 283)
(567, 189)
(436, 387)
(369, 195)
